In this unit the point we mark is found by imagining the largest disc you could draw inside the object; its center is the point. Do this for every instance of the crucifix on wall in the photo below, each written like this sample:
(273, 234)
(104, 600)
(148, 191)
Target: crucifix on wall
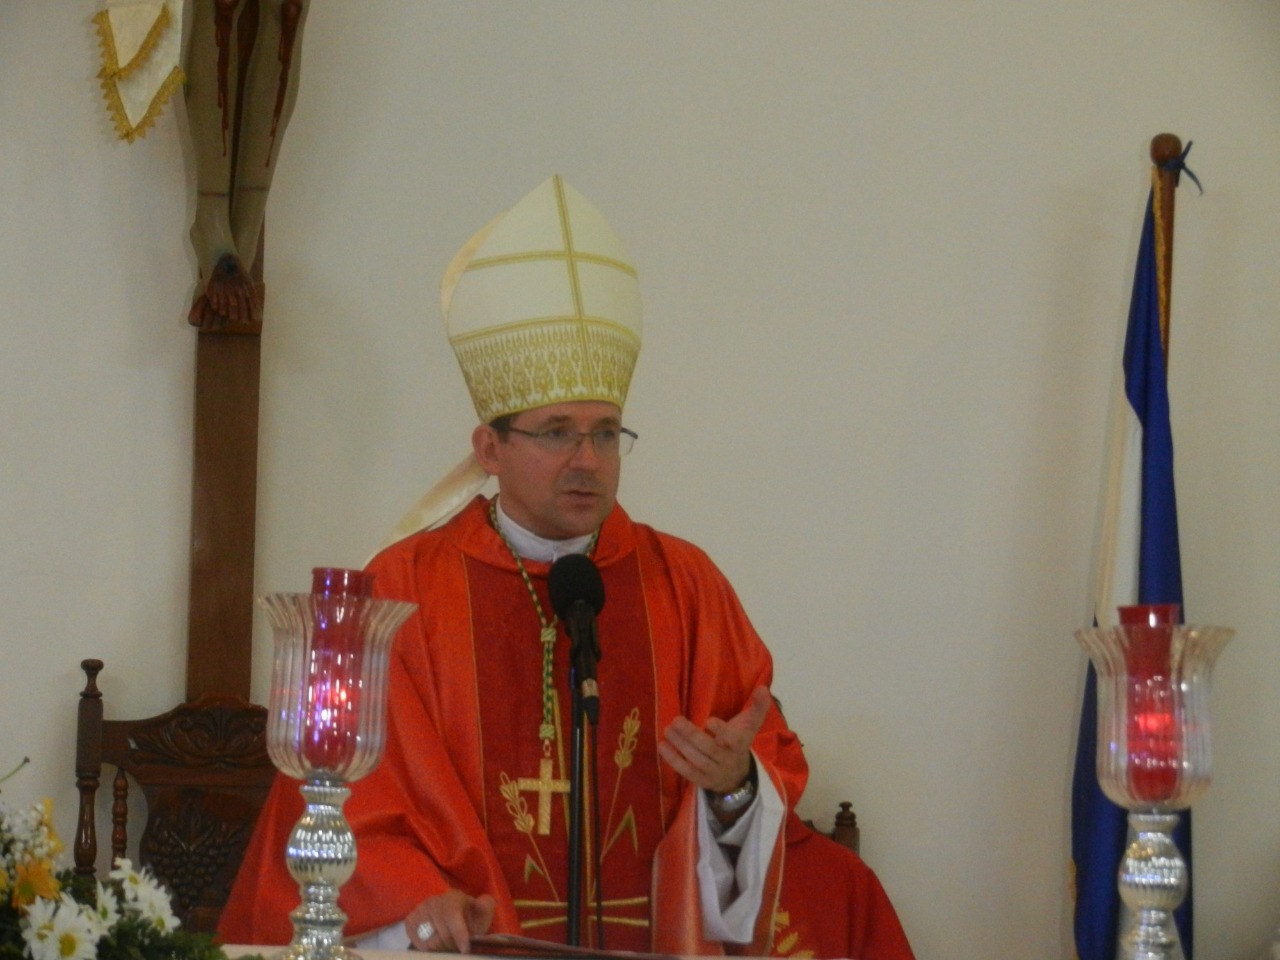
(242, 65)
(240, 69)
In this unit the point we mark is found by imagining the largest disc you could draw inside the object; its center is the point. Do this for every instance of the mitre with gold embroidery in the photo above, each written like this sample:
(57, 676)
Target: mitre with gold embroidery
(541, 306)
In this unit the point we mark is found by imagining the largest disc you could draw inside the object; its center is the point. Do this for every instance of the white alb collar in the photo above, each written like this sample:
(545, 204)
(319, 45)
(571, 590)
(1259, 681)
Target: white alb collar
(530, 546)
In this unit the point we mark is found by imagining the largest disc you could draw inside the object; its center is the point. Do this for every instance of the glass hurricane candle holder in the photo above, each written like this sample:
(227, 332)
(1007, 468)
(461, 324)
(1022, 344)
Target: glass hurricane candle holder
(326, 726)
(1153, 753)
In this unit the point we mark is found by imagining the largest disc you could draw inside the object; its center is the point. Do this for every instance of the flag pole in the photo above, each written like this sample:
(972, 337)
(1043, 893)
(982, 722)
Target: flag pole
(1137, 555)
(1165, 150)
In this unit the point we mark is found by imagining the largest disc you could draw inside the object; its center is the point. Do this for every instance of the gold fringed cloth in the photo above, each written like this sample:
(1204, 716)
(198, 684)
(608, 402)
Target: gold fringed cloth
(141, 45)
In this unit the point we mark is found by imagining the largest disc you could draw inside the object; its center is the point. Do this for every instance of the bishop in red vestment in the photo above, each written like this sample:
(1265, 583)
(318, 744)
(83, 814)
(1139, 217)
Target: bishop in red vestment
(464, 792)
(462, 829)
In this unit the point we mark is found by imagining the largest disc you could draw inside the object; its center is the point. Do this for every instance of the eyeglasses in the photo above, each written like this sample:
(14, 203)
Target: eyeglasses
(607, 441)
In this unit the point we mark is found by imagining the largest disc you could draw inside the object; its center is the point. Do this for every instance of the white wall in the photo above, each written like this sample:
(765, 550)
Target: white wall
(886, 252)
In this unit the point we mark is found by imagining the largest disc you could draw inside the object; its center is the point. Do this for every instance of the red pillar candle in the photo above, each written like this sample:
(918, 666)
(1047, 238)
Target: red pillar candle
(340, 582)
(1154, 727)
(331, 734)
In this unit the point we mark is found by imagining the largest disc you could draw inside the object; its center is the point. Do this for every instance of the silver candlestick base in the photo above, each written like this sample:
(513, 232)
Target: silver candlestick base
(321, 857)
(1153, 883)
(326, 727)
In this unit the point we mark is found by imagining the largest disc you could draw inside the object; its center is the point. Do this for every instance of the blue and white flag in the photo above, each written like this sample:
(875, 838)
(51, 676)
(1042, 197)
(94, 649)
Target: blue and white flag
(1137, 561)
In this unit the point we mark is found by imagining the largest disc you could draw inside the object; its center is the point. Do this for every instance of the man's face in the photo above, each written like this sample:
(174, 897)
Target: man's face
(555, 495)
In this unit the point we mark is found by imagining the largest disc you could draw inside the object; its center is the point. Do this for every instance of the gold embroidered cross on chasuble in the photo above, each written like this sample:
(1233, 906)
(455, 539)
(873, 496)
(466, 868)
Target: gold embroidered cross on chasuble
(544, 785)
(533, 849)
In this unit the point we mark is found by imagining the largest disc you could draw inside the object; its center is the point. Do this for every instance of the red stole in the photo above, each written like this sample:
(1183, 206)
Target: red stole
(525, 791)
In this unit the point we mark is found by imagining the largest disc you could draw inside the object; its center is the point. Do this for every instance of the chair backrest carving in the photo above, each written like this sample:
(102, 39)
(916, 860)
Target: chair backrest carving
(845, 831)
(204, 772)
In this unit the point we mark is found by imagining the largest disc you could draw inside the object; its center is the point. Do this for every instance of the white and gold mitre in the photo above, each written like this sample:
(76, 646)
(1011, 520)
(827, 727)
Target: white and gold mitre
(543, 306)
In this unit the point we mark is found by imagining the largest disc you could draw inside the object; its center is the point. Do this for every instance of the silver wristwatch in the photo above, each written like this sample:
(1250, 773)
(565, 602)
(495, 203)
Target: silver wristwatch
(737, 799)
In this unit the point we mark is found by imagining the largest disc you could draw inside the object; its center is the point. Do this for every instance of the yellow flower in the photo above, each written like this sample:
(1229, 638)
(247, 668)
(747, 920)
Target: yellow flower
(46, 823)
(33, 879)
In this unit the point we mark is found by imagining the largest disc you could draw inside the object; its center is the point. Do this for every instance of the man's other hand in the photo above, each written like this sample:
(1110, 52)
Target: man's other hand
(449, 920)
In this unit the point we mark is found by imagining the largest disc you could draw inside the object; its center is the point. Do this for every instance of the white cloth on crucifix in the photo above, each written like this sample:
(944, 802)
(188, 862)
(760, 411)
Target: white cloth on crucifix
(141, 48)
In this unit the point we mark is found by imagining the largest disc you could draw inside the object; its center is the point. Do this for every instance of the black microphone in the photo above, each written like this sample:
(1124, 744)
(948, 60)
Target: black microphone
(577, 596)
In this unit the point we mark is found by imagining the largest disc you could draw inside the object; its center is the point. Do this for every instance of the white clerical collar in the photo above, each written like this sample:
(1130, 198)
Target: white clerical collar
(530, 546)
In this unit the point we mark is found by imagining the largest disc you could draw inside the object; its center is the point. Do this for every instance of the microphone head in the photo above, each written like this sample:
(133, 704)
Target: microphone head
(575, 578)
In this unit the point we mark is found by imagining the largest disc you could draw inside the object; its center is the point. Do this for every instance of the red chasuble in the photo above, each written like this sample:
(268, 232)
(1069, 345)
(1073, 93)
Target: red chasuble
(832, 904)
(467, 794)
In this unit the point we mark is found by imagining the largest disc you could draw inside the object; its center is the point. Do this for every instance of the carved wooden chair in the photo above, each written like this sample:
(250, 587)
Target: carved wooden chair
(204, 772)
(845, 830)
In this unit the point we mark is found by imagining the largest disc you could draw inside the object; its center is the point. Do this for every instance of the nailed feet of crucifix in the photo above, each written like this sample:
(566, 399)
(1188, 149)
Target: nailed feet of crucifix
(230, 301)
(242, 72)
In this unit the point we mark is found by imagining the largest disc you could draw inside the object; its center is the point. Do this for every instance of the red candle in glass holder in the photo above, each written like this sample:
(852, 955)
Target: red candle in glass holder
(1154, 730)
(333, 671)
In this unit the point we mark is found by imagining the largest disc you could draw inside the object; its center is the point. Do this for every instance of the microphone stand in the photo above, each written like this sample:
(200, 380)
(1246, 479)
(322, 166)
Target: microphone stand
(585, 708)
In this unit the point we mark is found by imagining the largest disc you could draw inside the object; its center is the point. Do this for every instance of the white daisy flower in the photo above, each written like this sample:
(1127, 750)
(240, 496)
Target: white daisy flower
(37, 929)
(153, 906)
(128, 878)
(73, 931)
(107, 912)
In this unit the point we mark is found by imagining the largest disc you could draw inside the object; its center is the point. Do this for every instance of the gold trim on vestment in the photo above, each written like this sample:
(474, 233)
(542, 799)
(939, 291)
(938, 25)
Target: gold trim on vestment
(787, 941)
(524, 822)
(617, 921)
(544, 785)
(554, 921)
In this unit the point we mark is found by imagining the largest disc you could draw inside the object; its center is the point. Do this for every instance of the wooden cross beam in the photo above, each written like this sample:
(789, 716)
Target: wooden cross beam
(223, 514)
(242, 79)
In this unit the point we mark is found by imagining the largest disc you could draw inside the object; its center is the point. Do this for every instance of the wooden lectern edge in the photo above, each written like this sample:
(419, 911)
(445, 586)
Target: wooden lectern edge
(235, 951)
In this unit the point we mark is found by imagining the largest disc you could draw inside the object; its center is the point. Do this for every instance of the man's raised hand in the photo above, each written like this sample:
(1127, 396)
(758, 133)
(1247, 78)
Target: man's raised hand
(717, 757)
